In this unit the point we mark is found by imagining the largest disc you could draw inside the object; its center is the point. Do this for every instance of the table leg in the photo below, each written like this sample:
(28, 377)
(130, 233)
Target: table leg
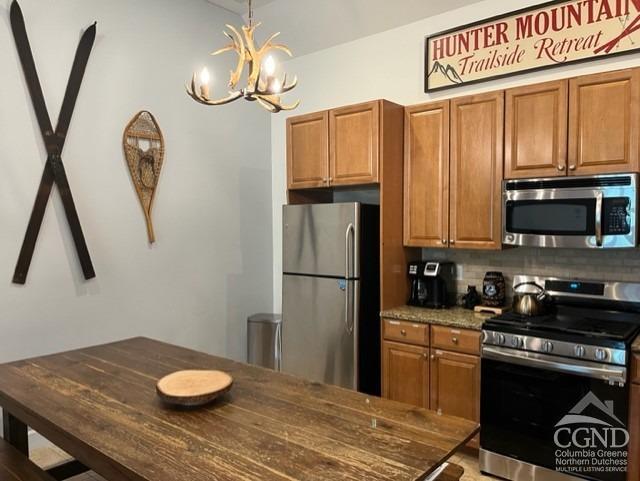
(15, 432)
(67, 470)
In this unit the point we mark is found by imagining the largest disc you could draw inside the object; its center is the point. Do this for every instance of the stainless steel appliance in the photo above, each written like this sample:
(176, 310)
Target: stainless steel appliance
(331, 294)
(578, 212)
(264, 340)
(547, 376)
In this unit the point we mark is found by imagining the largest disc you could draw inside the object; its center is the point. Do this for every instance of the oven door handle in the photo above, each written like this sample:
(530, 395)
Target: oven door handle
(612, 374)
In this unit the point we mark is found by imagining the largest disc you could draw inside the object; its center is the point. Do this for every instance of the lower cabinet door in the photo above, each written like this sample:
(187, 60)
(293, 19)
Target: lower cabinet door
(633, 473)
(405, 373)
(455, 384)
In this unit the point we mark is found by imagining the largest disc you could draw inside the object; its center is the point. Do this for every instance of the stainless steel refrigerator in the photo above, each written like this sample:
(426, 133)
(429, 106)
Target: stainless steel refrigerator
(331, 294)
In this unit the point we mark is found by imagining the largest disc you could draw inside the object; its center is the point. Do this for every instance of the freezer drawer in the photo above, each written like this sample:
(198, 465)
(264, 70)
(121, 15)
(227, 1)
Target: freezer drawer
(316, 239)
(320, 328)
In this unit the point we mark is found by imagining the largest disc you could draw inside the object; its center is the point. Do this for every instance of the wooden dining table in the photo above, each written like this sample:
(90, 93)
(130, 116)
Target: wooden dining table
(99, 404)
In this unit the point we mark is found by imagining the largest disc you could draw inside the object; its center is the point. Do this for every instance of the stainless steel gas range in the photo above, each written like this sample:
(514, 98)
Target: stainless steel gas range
(555, 394)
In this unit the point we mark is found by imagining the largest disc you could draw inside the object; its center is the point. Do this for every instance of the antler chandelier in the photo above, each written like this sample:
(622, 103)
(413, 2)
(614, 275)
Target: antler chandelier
(262, 84)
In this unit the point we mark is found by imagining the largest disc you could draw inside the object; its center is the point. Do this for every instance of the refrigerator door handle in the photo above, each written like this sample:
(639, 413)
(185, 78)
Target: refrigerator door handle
(349, 235)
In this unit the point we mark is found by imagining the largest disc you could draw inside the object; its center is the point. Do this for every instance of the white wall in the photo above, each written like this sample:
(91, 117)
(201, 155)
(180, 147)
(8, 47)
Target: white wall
(388, 65)
(211, 266)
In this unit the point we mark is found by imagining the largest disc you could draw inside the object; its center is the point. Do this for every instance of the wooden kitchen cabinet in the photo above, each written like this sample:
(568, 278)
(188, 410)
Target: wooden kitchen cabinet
(535, 134)
(476, 171)
(604, 123)
(426, 175)
(405, 332)
(354, 144)
(454, 167)
(458, 340)
(405, 369)
(445, 378)
(455, 384)
(343, 146)
(308, 151)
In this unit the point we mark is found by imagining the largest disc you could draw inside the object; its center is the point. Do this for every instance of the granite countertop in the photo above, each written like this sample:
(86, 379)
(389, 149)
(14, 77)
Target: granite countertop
(635, 347)
(453, 317)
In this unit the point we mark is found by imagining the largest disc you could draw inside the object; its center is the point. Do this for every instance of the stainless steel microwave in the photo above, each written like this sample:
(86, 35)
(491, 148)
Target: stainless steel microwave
(597, 212)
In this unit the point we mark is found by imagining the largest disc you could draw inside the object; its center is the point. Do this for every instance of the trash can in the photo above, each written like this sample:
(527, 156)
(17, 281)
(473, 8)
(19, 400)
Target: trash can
(264, 340)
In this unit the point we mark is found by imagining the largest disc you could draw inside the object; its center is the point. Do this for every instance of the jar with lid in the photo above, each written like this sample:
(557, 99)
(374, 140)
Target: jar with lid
(494, 289)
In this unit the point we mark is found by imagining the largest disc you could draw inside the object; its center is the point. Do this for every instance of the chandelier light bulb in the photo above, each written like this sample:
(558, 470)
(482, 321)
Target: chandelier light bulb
(205, 77)
(269, 66)
(276, 86)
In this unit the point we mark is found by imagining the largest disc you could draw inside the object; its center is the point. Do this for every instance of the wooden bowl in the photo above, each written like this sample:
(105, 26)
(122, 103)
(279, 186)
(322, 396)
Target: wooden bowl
(193, 388)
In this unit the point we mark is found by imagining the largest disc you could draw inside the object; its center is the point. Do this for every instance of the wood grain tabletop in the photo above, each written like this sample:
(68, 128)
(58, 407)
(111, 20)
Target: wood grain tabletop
(99, 404)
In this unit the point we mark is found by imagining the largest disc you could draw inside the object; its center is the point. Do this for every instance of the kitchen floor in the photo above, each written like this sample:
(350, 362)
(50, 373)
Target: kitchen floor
(50, 456)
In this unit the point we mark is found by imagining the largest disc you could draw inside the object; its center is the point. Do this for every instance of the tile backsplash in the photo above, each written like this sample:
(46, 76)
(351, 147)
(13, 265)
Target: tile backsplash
(612, 265)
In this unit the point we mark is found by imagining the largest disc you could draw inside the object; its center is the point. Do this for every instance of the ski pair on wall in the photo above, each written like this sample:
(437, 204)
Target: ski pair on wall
(54, 171)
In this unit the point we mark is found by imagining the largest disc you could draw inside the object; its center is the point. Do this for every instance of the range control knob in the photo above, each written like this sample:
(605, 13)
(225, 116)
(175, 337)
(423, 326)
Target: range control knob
(547, 346)
(516, 342)
(601, 354)
(501, 339)
(579, 351)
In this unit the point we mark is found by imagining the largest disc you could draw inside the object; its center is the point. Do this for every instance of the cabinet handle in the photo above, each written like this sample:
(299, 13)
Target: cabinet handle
(425, 355)
(572, 167)
(455, 340)
(452, 241)
(444, 241)
(403, 332)
(561, 168)
(433, 357)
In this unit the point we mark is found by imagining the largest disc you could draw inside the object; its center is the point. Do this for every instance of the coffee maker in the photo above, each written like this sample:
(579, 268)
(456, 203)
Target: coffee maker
(432, 284)
(418, 284)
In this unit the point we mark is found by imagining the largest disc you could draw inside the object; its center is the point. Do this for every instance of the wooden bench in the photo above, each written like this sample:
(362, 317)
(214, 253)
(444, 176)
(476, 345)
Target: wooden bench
(15, 466)
(450, 472)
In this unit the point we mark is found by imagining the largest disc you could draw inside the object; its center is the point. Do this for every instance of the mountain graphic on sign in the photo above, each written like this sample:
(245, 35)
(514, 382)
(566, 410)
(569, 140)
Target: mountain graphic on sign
(448, 71)
(577, 416)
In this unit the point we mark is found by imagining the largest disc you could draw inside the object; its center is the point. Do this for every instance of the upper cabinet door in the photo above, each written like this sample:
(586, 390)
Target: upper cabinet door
(604, 122)
(536, 130)
(426, 175)
(308, 151)
(354, 134)
(477, 125)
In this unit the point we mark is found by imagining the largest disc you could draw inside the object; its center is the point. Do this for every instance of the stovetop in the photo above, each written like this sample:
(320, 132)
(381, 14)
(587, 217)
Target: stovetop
(574, 323)
(590, 327)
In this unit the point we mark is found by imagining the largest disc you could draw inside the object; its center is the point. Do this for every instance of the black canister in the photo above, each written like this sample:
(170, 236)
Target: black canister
(493, 289)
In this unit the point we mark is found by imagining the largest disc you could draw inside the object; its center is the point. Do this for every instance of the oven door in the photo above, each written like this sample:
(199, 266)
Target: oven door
(575, 218)
(522, 406)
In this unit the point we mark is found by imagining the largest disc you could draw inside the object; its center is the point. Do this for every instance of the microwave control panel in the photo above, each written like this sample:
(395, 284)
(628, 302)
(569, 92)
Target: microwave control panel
(615, 216)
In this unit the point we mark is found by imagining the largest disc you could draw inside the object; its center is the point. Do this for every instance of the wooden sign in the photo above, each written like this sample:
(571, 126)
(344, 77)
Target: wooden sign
(545, 36)
(143, 145)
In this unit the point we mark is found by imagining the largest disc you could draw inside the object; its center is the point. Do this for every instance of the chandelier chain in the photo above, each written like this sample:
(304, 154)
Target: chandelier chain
(251, 13)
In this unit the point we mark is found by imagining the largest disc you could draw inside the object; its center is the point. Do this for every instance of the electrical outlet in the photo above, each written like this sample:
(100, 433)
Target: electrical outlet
(459, 272)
